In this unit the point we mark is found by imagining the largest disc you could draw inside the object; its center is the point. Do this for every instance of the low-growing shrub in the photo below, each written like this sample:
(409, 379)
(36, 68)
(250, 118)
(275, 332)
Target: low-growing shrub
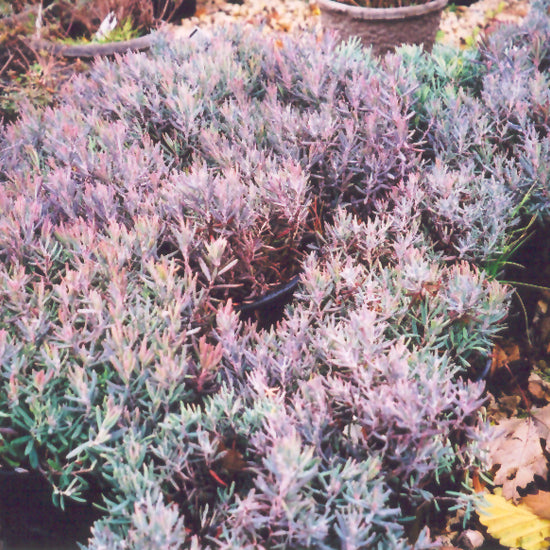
(168, 189)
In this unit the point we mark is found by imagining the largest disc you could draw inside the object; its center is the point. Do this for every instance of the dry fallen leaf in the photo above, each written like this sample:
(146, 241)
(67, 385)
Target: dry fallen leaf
(315, 10)
(538, 388)
(539, 504)
(518, 451)
(504, 354)
(471, 539)
(505, 407)
(232, 460)
(477, 484)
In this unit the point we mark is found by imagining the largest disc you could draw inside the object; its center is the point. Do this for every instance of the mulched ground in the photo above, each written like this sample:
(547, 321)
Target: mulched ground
(460, 25)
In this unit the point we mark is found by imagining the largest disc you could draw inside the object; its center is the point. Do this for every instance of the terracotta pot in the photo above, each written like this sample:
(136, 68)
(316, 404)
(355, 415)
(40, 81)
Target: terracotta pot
(384, 28)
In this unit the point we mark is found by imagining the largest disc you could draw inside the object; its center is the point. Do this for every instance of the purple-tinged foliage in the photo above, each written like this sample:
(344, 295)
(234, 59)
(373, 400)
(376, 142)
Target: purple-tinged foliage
(490, 111)
(167, 189)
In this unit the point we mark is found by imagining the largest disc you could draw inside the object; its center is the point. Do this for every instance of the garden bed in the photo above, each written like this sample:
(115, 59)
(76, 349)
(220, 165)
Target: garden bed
(152, 217)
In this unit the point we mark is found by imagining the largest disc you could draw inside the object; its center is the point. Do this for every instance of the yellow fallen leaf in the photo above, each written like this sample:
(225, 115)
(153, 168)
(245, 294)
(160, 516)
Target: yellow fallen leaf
(514, 525)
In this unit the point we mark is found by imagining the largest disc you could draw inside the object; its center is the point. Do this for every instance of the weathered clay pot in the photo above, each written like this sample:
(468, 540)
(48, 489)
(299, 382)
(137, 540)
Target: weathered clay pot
(384, 28)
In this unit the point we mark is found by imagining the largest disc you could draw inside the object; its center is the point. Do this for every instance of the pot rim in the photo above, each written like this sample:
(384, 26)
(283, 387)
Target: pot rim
(358, 12)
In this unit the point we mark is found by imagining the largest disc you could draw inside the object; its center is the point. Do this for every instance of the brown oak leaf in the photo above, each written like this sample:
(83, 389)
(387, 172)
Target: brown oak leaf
(539, 504)
(518, 451)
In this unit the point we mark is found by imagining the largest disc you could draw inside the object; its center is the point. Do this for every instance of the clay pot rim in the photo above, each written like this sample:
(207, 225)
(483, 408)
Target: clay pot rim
(404, 12)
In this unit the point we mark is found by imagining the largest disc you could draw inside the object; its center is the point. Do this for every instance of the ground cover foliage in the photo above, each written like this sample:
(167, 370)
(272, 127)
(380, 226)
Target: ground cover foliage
(169, 188)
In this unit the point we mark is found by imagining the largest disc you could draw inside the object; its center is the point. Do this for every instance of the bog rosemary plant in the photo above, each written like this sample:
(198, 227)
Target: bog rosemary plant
(170, 188)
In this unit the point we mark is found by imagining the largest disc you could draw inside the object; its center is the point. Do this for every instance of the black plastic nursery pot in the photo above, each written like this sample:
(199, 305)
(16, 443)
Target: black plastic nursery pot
(384, 29)
(269, 308)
